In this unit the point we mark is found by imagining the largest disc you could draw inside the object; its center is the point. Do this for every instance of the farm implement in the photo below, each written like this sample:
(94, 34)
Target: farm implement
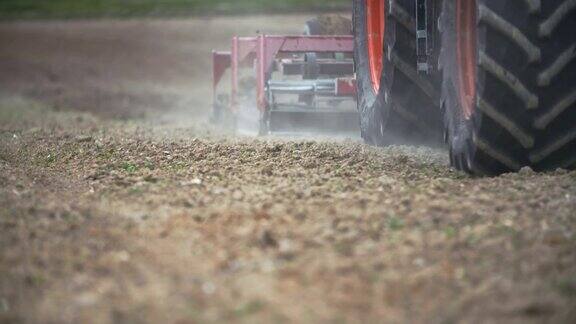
(301, 83)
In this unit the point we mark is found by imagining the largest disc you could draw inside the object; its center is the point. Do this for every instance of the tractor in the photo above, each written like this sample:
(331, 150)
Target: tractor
(494, 79)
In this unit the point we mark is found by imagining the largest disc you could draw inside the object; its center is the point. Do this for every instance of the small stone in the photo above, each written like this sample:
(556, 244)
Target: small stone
(419, 262)
(150, 178)
(460, 273)
(122, 256)
(238, 195)
(508, 223)
(286, 246)
(267, 240)
(84, 139)
(526, 171)
(561, 171)
(193, 182)
(554, 237)
(87, 299)
(208, 288)
(268, 266)
(267, 170)
(386, 180)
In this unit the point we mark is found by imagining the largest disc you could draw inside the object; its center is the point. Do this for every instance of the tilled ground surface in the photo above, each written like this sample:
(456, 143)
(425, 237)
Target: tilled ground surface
(107, 220)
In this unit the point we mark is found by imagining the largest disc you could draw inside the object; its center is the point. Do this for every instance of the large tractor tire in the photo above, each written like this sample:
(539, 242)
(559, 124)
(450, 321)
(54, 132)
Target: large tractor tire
(509, 84)
(396, 104)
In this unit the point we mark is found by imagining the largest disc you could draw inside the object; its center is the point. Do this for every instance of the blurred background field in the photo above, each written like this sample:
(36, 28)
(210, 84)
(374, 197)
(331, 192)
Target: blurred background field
(41, 9)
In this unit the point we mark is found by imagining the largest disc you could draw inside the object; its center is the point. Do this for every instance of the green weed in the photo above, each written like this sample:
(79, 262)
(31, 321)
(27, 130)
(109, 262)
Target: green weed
(567, 286)
(249, 308)
(450, 232)
(35, 279)
(149, 165)
(46, 160)
(395, 223)
(129, 167)
(4, 306)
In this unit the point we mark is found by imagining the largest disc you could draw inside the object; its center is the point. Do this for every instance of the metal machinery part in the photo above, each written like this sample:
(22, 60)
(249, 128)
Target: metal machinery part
(426, 16)
(284, 68)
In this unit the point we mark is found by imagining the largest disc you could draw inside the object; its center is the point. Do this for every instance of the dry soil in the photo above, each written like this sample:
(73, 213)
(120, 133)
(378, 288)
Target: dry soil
(119, 203)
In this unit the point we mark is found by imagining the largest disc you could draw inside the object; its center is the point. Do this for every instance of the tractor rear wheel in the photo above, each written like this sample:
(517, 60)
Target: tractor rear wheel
(396, 104)
(509, 85)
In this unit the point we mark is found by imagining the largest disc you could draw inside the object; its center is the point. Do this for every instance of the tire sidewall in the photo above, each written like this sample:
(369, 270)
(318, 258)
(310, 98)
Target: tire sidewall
(460, 131)
(370, 103)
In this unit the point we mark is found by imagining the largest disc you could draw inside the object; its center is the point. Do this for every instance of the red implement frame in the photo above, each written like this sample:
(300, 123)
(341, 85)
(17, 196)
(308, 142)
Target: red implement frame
(262, 51)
